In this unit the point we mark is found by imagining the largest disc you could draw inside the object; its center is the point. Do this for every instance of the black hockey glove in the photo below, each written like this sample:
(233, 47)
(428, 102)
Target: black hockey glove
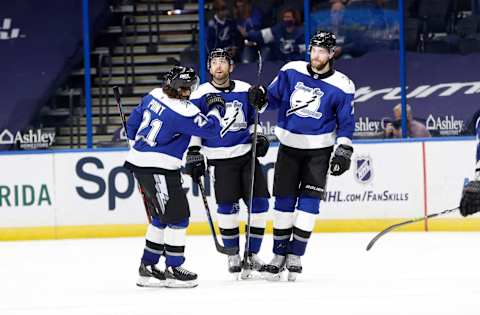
(195, 165)
(216, 101)
(257, 96)
(340, 162)
(262, 145)
(470, 202)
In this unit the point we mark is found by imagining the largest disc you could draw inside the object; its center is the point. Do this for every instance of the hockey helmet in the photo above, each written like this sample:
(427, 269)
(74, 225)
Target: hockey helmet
(219, 53)
(324, 39)
(182, 77)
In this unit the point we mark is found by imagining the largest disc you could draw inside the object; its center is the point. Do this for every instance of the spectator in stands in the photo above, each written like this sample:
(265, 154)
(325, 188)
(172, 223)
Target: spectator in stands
(284, 41)
(370, 26)
(415, 128)
(248, 18)
(331, 18)
(271, 9)
(222, 31)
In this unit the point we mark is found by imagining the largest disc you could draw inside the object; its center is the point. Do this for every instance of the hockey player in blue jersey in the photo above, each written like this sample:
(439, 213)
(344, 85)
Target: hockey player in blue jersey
(315, 111)
(160, 129)
(230, 155)
(470, 202)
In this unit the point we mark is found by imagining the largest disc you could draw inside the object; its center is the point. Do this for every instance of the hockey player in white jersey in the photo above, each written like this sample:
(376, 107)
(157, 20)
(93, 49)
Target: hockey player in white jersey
(160, 128)
(470, 202)
(315, 111)
(230, 155)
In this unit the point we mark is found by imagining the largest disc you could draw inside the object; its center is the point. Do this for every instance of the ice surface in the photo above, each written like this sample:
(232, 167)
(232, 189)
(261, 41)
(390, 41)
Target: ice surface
(404, 273)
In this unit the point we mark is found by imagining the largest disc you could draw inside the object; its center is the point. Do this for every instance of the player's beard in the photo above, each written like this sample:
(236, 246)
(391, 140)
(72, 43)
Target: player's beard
(319, 65)
(220, 78)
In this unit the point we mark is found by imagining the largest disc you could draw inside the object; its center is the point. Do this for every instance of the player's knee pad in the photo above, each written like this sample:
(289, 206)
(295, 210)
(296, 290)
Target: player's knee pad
(304, 221)
(156, 223)
(183, 224)
(155, 234)
(175, 235)
(227, 215)
(285, 204)
(282, 220)
(259, 205)
(258, 219)
(309, 204)
(228, 208)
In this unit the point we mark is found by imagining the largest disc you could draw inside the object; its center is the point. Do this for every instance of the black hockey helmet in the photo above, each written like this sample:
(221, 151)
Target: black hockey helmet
(182, 77)
(219, 52)
(324, 39)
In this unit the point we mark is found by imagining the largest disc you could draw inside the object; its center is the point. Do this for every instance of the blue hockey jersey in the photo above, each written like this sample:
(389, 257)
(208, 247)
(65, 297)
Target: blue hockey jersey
(237, 140)
(161, 128)
(313, 110)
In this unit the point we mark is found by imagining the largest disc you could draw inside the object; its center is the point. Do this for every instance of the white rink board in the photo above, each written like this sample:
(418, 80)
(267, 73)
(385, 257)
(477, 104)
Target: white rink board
(91, 188)
(27, 190)
(448, 169)
(393, 190)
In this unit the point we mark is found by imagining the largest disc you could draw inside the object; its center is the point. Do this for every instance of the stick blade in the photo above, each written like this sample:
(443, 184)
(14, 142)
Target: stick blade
(227, 250)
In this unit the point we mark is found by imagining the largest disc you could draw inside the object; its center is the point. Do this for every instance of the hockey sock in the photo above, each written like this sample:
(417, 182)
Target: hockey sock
(258, 221)
(282, 224)
(154, 242)
(304, 221)
(227, 216)
(175, 235)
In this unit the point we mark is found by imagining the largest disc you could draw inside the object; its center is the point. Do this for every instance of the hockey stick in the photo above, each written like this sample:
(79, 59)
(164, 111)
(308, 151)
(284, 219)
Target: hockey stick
(116, 94)
(221, 249)
(393, 227)
(246, 253)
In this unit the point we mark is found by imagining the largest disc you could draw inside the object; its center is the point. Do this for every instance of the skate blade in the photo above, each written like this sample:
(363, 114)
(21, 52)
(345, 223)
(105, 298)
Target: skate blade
(275, 277)
(292, 276)
(172, 283)
(246, 274)
(150, 282)
(252, 275)
(235, 275)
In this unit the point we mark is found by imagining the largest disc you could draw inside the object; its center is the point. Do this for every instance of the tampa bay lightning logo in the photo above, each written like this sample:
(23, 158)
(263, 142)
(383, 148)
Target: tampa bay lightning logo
(229, 120)
(363, 169)
(305, 101)
(230, 109)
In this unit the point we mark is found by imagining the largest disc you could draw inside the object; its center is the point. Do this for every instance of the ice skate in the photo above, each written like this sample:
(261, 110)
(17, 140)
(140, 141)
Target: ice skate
(178, 277)
(150, 276)
(235, 265)
(294, 266)
(254, 264)
(273, 270)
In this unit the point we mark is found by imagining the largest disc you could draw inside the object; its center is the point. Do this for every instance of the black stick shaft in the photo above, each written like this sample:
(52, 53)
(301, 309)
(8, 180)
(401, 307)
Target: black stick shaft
(221, 249)
(252, 169)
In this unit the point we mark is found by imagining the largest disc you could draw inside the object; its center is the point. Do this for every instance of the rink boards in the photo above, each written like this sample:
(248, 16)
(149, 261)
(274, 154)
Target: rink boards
(89, 194)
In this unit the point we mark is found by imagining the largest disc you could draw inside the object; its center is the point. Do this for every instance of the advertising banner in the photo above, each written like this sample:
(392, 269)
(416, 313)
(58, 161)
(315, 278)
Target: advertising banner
(27, 190)
(386, 181)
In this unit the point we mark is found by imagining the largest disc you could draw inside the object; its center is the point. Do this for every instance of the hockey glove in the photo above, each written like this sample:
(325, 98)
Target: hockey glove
(470, 202)
(340, 162)
(262, 145)
(216, 101)
(195, 165)
(257, 96)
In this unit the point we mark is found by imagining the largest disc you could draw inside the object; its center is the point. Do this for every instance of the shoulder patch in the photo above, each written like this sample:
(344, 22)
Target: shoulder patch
(299, 66)
(241, 86)
(342, 82)
(181, 107)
